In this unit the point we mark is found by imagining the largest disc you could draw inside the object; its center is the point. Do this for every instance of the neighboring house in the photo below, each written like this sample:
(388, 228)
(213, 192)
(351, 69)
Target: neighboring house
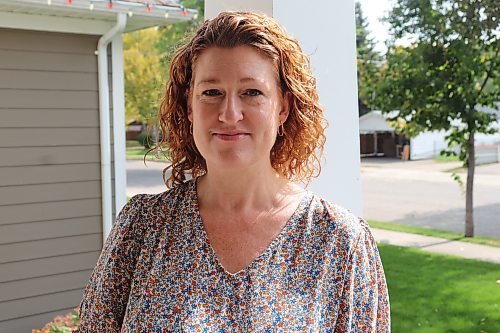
(134, 128)
(62, 145)
(377, 137)
(374, 125)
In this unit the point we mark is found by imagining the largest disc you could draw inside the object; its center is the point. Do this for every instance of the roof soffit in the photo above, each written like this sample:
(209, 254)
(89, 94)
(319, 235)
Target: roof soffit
(160, 13)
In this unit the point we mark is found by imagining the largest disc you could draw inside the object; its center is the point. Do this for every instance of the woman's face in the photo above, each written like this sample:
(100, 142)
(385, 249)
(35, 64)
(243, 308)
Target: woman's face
(235, 107)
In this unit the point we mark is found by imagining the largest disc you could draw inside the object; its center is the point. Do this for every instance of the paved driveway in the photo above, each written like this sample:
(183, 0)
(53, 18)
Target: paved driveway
(415, 193)
(144, 178)
(420, 193)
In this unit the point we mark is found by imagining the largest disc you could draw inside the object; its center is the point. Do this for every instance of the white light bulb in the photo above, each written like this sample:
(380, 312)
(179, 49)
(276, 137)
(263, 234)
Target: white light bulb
(130, 13)
(166, 15)
(91, 7)
(49, 2)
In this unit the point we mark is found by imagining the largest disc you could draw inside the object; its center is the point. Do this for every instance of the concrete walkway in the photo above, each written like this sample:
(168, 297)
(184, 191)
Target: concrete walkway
(438, 245)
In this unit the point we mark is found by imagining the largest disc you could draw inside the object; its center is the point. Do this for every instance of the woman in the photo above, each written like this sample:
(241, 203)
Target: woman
(239, 247)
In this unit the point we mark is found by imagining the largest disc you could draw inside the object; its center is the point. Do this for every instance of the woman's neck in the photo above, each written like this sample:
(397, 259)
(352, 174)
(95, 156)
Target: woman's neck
(242, 192)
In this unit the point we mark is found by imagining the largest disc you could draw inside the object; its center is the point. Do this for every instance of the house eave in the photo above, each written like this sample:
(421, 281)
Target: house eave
(79, 18)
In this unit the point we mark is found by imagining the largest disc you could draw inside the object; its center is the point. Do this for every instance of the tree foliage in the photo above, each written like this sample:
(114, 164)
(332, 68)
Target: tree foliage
(451, 67)
(146, 57)
(171, 36)
(368, 60)
(143, 74)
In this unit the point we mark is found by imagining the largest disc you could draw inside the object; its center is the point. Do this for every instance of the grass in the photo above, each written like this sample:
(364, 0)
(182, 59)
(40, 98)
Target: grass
(446, 159)
(133, 144)
(433, 293)
(138, 154)
(435, 233)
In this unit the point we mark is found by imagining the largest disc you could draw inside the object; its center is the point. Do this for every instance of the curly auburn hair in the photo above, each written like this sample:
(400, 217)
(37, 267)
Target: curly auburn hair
(296, 154)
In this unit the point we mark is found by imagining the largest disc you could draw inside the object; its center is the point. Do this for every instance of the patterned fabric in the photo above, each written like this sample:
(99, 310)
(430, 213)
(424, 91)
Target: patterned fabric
(158, 273)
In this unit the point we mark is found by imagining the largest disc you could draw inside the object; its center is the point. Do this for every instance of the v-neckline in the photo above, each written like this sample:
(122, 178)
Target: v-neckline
(298, 212)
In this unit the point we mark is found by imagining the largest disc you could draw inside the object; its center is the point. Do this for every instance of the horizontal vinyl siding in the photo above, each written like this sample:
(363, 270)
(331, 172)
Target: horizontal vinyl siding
(25, 156)
(47, 61)
(49, 118)
(50, 174)
(32, 305)
(43, 285)
(50, 99)
(15, 195)
(26, 79)
(24, 232)
(47, 211)
(48, 137)
(26, 40)
(49, 247)
(16, 271)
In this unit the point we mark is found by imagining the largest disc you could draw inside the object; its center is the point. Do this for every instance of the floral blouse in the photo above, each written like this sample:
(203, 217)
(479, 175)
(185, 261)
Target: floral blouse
(158, 273)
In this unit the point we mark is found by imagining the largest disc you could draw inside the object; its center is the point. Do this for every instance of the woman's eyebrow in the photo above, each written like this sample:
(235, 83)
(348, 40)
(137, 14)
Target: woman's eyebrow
(206, 81)
(214, 80)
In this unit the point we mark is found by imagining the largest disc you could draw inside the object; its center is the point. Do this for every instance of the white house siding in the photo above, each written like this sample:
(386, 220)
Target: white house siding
(374, 122)
(50, 193)
(427, 145)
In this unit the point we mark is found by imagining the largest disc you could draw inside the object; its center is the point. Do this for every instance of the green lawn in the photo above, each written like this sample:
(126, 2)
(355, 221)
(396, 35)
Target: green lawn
(133, 144)
(445, 159)
(436, 293)
(138, 154)
(435, 233)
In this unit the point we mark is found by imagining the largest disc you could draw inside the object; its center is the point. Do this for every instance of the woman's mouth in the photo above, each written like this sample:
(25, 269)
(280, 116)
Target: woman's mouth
(231, 135)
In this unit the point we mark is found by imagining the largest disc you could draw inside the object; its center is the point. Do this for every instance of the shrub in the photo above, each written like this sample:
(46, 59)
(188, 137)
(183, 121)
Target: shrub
(147, 139)
(61, 324)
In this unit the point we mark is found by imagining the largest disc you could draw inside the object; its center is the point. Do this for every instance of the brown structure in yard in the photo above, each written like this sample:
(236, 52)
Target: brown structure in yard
(134, 129)
(377, 138)
(51, 167)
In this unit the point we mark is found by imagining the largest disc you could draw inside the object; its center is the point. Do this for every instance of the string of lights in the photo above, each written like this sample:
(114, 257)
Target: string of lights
(133, 6)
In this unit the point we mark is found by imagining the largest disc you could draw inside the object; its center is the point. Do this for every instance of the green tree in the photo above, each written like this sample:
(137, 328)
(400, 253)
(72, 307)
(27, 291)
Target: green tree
(146, 57)
(143, 74)
(368, 60)
(451, 67)
(171, 36)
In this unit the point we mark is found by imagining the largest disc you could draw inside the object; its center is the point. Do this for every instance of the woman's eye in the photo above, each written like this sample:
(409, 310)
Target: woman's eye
(253, 92)
(211, 92)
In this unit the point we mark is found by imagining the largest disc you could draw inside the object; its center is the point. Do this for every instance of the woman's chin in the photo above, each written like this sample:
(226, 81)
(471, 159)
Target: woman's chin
(231, 160)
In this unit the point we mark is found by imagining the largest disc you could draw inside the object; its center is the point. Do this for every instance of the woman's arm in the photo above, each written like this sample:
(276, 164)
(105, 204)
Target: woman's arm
(365, 301)
(106, 295)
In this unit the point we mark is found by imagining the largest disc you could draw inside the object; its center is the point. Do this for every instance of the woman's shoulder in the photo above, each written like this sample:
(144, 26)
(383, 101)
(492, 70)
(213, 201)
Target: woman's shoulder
(337, 219)
(148, 208)
(171, 197)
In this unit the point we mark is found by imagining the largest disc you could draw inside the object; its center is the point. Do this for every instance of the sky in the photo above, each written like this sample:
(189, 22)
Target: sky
(373, 10)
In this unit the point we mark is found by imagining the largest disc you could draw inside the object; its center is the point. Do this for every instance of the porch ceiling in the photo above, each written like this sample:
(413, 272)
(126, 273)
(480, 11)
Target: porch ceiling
(161, 13)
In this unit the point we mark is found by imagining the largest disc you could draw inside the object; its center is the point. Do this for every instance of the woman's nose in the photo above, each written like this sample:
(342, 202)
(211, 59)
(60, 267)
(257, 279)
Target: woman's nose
(231, 110)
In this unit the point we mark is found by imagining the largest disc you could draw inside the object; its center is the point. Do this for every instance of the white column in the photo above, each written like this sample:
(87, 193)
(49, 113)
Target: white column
(119, 123)
(326, 31)
(214, 7)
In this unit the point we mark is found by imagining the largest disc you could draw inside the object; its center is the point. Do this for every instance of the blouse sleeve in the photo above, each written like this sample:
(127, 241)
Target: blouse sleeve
(106, 295)
(365, 301)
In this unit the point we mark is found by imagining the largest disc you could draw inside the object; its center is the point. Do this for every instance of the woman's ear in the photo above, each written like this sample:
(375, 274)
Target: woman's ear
(285, 107)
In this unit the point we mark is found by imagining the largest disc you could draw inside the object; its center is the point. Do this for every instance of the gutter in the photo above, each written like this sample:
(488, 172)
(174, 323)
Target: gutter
(104, 119)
